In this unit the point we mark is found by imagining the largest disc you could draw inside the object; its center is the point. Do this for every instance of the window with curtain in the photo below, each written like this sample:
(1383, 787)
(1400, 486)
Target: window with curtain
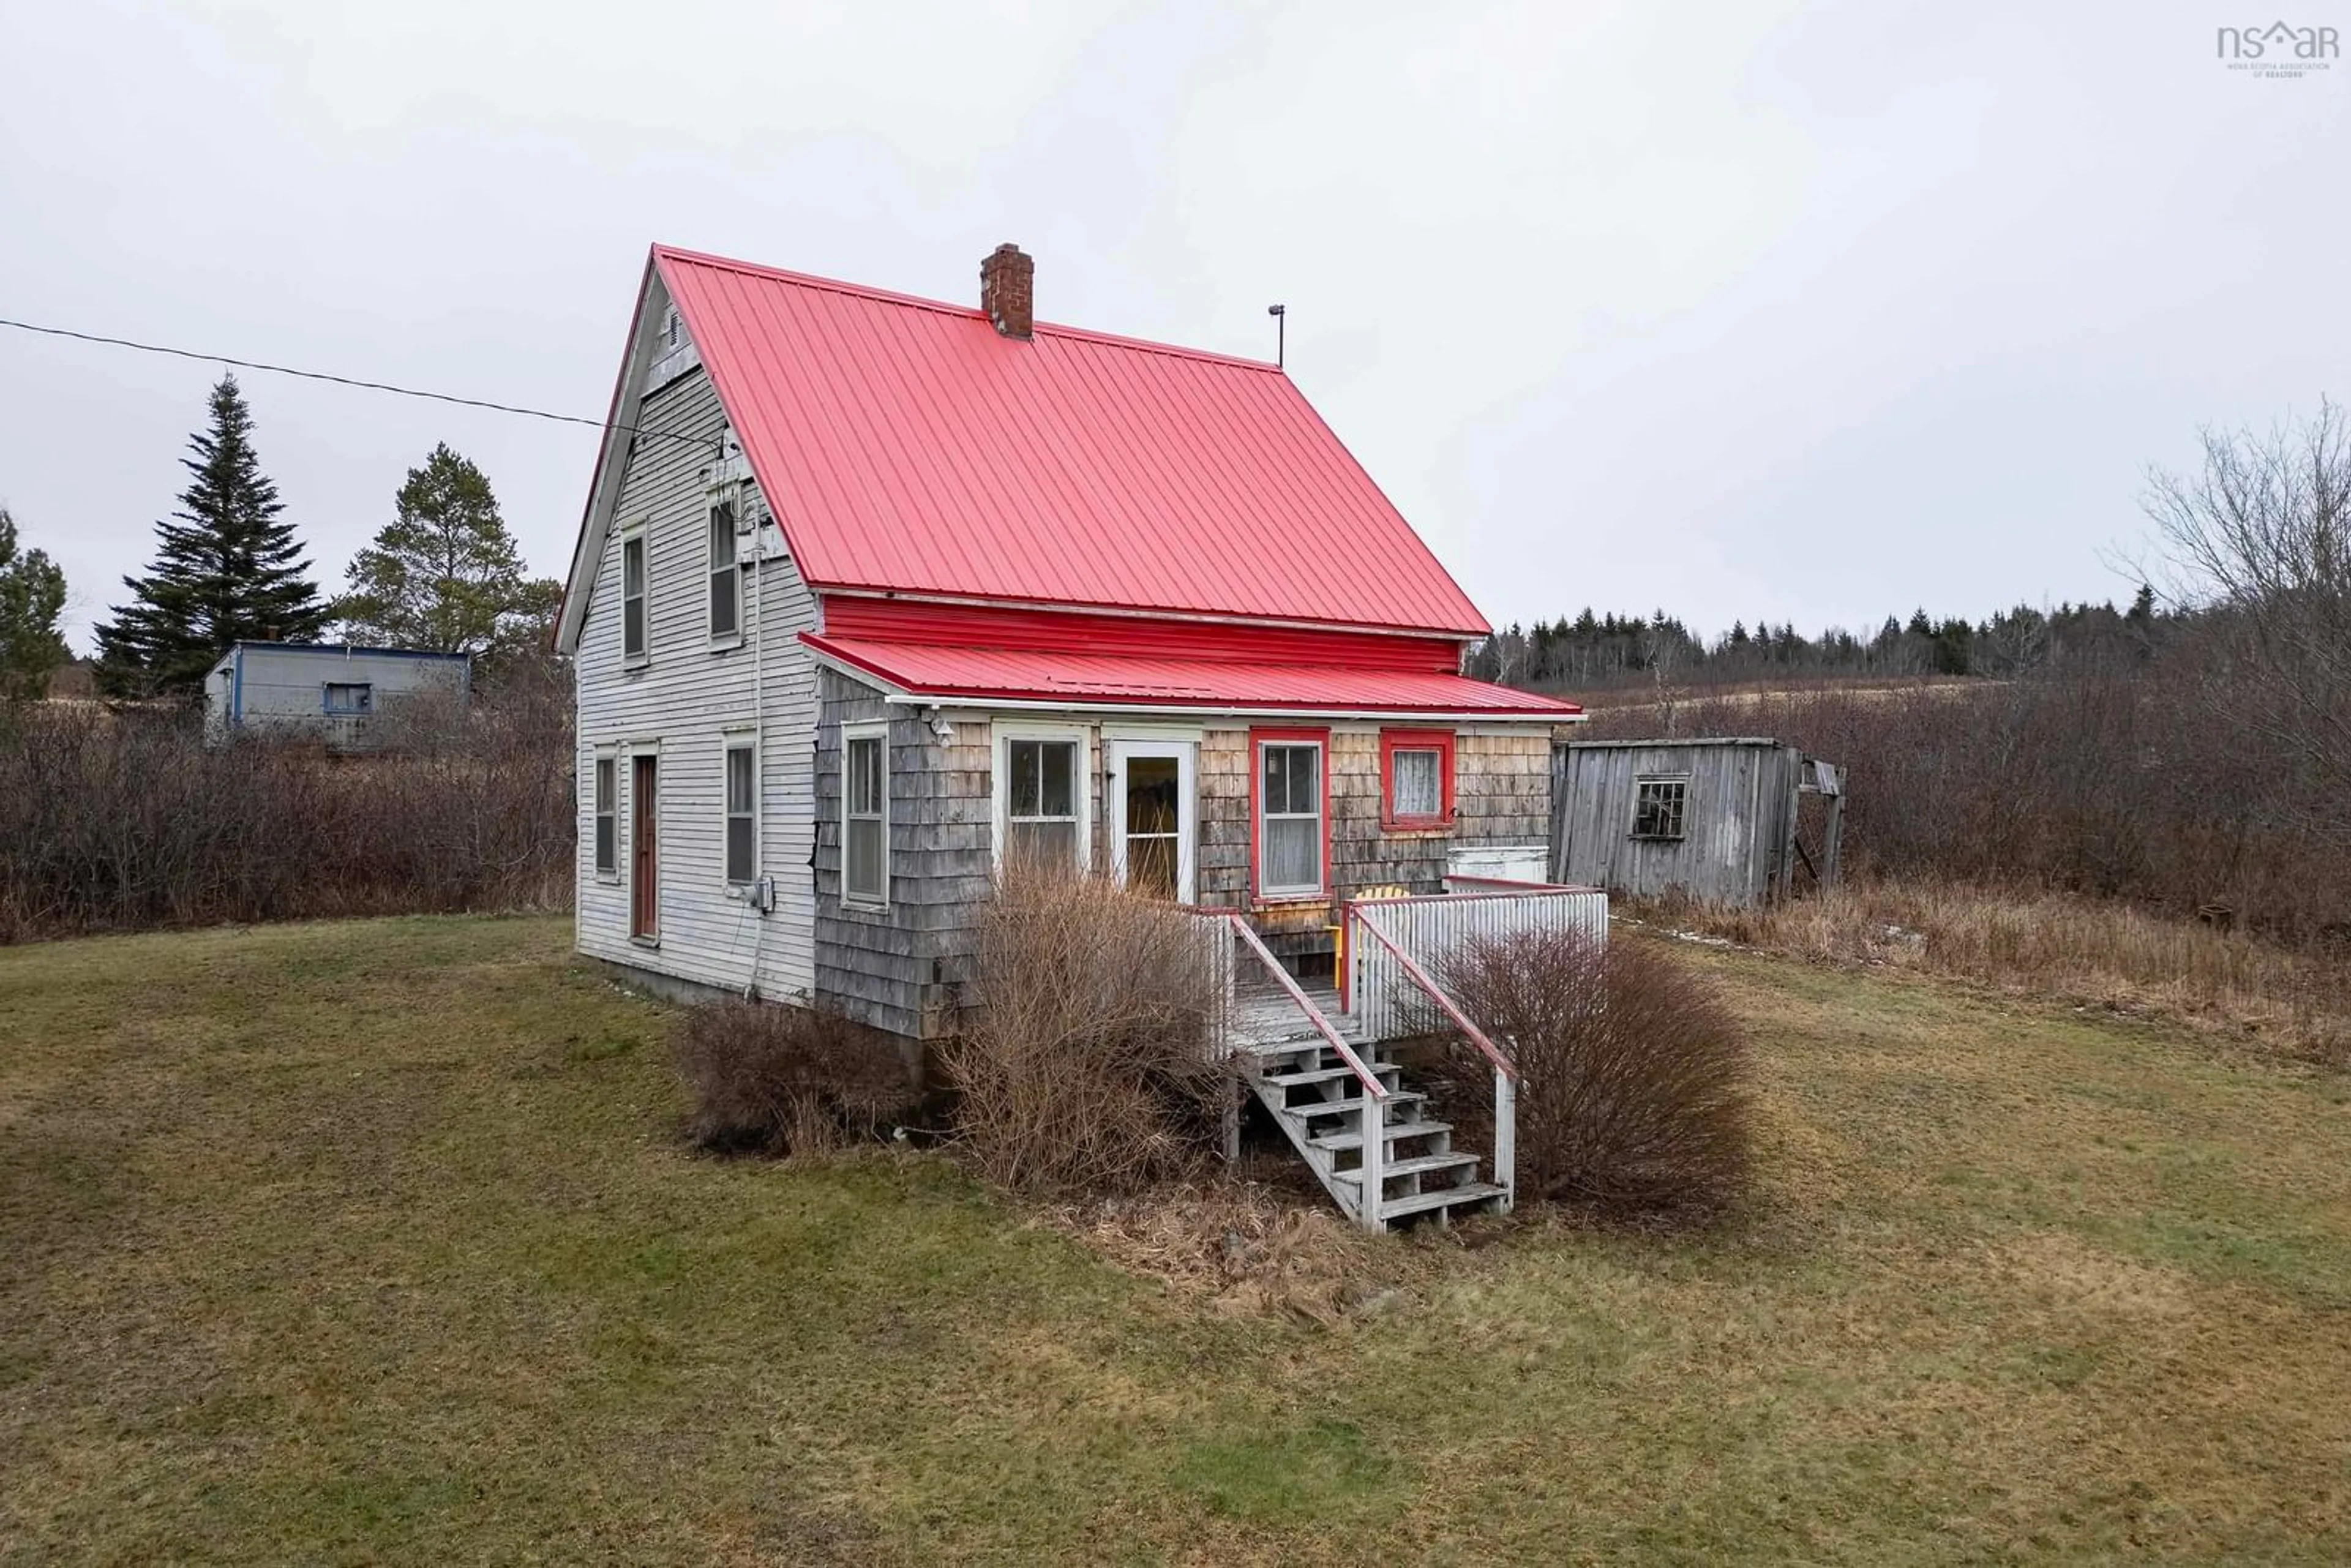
(1289, 817)
(1416, 786)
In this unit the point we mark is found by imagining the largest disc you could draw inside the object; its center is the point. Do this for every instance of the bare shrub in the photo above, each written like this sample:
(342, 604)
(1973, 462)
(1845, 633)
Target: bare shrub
(121, 820)
(1086, 1061)
(772, 1078)
(1632, 1091)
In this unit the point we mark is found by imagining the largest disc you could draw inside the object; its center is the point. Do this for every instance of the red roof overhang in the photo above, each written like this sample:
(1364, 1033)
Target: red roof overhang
(980, 676)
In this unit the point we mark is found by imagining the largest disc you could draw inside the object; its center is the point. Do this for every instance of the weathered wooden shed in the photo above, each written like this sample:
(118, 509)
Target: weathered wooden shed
(1716, 818)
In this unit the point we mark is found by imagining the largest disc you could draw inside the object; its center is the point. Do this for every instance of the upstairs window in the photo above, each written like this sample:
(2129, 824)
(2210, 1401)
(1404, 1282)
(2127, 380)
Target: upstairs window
(1415, 779)
(633, 597)
(1289, 817)
(1657, 806)
(351, 698)
(1040, 802)
(607, 839)
(725, 578)
(865, 815)
(742, 810)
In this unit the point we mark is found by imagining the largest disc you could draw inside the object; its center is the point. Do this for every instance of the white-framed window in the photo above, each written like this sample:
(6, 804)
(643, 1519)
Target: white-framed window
(351, 698)
(633, 597)
(1289, 817)
(742, 808)
(866, 813)
(1041, 796)
(725, 575)
(607, 799)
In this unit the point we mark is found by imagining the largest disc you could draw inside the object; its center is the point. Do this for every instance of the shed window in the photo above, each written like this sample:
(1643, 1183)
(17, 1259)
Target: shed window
(865, 817)
(725, 580)
(350, 697)
(1289, 817)
(1657, 808)
(633, 597)
(608, 843)
(1040, 801)
(742, 812)
(1415, 779)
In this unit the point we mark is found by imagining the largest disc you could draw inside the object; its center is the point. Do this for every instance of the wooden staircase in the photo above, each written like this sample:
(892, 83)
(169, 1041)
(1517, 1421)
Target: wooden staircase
(1319, 1099)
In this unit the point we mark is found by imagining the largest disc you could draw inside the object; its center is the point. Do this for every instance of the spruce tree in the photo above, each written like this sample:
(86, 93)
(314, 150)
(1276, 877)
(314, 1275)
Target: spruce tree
(227, 570)
(444, 574)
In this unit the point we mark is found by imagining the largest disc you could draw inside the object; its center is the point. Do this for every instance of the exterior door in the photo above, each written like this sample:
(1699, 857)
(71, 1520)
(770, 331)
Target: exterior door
(1153, 818)
(645, 851)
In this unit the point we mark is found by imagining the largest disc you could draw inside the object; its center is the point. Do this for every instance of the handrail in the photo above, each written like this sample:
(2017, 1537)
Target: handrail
(1477, 1036)
(1374, 1090)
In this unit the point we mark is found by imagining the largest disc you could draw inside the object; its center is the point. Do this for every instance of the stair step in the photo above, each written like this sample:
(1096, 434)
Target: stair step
(1397, 1131)
(1386, 1071)
(1419, 1164)
(1442, 1197)
(1341, 1107)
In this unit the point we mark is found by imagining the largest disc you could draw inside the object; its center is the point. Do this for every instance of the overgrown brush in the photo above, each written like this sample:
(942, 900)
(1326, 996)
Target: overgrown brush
(772, 1079)
(1085, 1063)
(123, 820)
(2199, 972)
(1632, 1073)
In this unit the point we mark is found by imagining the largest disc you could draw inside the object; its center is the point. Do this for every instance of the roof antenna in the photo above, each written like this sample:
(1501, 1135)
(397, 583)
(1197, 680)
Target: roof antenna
(1280, 313)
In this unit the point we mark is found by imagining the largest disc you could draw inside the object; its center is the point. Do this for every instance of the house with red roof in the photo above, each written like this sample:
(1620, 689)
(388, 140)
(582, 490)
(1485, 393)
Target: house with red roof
(874, 592)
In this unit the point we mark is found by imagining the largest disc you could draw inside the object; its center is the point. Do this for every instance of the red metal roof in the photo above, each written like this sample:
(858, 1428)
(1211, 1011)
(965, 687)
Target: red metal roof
(1041, 675)
(906, 446)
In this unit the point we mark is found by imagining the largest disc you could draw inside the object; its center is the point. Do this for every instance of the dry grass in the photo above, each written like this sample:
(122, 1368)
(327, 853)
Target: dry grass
(2094, 952)
(373, 1242)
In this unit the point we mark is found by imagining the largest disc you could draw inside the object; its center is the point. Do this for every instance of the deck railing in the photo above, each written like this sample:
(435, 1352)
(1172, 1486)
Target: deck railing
(1395, 943)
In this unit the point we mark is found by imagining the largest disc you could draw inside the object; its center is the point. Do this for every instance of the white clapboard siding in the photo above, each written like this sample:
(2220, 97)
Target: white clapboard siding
(686, 700)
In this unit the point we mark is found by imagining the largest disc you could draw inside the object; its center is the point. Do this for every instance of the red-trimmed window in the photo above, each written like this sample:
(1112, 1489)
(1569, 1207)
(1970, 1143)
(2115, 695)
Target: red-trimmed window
(1290, 813)
(1415, 779)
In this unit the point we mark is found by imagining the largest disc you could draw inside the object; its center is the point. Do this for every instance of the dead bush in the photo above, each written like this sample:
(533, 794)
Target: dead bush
(118, 820)
(1084, 1063)
(772, 1079)
(1632, 1091)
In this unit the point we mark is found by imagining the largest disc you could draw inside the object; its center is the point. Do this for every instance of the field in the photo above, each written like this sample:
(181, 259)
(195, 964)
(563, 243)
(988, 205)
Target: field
(373, 1241)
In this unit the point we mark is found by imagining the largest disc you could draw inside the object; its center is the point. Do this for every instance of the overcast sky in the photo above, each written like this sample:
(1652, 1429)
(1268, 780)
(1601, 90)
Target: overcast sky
(1805, 312)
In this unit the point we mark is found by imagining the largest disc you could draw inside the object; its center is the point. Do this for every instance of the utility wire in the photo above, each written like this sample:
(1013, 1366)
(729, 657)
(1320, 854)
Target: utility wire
(355, 382)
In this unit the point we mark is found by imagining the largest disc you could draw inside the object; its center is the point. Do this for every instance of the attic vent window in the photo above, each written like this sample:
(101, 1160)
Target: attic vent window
(670, 329)
(1658, 807)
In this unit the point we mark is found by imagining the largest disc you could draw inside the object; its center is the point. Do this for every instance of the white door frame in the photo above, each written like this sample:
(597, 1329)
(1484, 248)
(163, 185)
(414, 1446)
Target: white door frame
(1185, 754)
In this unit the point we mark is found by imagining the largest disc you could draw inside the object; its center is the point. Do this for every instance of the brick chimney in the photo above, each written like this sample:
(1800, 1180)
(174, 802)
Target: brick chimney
(1007, 290)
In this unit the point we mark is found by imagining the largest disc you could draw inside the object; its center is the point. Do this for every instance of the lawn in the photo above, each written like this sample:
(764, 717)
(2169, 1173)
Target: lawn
(373, 1241)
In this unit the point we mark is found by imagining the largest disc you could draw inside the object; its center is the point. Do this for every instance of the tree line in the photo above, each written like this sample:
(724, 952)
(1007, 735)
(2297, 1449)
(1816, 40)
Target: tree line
(443, 575)
(1594, 651)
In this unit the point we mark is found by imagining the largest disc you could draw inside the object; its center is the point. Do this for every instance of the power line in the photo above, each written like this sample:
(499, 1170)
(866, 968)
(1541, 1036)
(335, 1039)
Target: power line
(355, 382)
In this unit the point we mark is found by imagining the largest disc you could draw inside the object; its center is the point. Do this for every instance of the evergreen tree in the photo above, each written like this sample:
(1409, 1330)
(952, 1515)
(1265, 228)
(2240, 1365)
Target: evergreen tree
(229, 569)
(32, 596)
(444, 574)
